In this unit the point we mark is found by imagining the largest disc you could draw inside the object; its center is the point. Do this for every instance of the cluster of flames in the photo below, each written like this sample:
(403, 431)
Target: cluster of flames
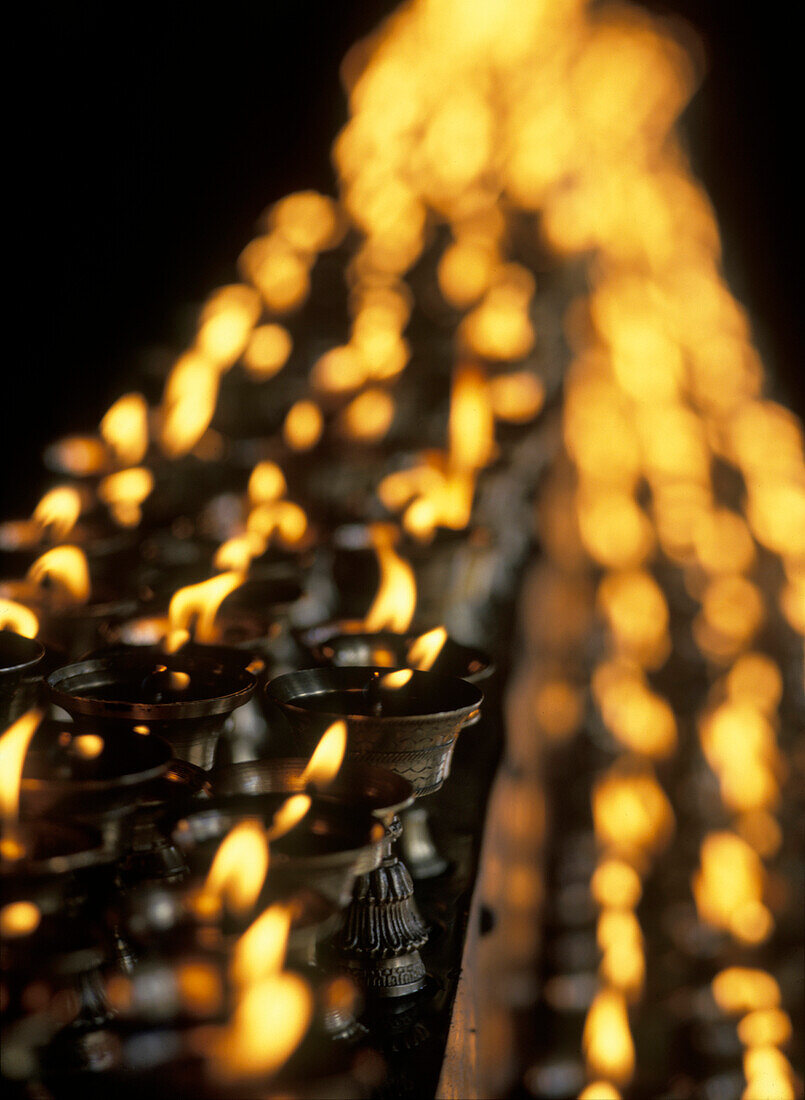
(558, 116)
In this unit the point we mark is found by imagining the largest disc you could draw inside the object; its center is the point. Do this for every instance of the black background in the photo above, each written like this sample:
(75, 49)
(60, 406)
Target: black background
(143, 143)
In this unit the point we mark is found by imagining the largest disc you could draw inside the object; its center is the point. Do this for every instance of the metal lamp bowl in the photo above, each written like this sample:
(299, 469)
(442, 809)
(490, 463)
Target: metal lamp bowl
(347, 642)
(325, 851)
(125, 768)
(358, 784)
(106, 694)
(19, 660)
(414, 737)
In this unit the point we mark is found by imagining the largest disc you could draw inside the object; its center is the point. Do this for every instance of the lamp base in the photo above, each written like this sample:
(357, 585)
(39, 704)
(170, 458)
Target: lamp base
(383, 931)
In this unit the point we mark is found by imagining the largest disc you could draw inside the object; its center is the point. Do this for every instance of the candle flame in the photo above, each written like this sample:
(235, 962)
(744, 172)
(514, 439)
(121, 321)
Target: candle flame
(393, 681)
(19, 918)
(236, 554)
(369, 416)
(279, 272)
(741, 989)
(18, 618)
(289, 815)
(59, 510)
(323, 765)
(728, 888)
(303, 426)
(87, 746)
(260, 951)
(424, 650)
(607, 1040)
(599, 1090)
(124, 429)
(13, 747)
(227, 319)
(623, 965)
(631, 813)
(67, 568)
(270, 1020)
(124, 492)
(394, 604)
(188, 403)
(239, 868)
(472, 423)
(192, 610)
(308, 221)
(81, 455)
(281, 519)
(267, 351)
(266, 483)
(517, 397)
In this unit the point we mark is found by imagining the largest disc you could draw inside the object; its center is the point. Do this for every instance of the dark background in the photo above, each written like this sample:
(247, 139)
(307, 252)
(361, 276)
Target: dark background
(143, 144)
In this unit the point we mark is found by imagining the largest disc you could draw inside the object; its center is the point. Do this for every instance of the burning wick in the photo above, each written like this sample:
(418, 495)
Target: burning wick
(87, 746)
(379, 684)
(238, 870)
(323, 765)
(13, 747)
(424, 650)
(19, 918)
(58, 510)
(288, 815)
(164, 681)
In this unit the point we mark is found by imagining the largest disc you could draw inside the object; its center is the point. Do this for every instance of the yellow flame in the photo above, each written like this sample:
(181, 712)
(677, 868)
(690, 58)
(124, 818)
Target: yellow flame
(623, 965)
(303, 426)
(765, 1027)
(636, 716)
(81, 455)
(266, 483)
(755, 678)
(395, 602)
(260, 951)
(270, 1020)
(424, 650)
(200, 987)
(193, 609)
(279, 272)
(19, 918)
(124, 429)
(472, 423)
(289, 815)
(740, 989)
(281, 518)
(340, 370)
(59, 510)
(267, 351)
(67, 568)
(310, 222)
(239, 868)
(631, 813)
(323, 765)
(599, 1090)
(18, 618)
(13, 747)
(768, 1073)
(87, 746)
(393, 681)
(235, 555)
(125, 491)
(728, 888)
(607, 1040)
(616, 883)
(227, 319)
(517, 397)
(188, 403)
(368, 417)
